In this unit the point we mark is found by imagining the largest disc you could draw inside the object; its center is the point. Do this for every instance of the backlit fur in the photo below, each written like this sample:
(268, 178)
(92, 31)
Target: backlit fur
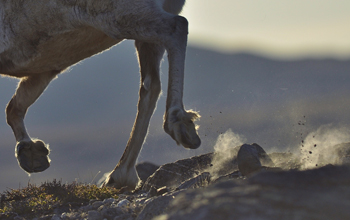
(41, 38)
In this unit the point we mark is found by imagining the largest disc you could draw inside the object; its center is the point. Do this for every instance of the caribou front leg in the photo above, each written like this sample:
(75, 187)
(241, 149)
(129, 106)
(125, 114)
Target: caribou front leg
(178, 123)
(32, 155)
(124, 174)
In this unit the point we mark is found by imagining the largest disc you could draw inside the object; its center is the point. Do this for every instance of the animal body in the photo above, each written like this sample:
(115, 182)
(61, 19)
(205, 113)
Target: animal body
(41, 38)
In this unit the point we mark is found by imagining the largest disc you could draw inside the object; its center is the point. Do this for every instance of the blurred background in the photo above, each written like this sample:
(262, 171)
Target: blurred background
(270, 71)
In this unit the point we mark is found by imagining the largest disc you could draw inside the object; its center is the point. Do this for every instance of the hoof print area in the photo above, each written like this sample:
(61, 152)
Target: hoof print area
(33, 156)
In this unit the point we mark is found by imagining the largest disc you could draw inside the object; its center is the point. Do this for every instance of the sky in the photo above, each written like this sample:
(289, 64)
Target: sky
(277, 28)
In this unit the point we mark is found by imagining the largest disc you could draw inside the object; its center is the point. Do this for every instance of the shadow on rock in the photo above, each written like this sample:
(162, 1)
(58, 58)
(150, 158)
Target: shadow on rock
(321, 193)
(253, 185)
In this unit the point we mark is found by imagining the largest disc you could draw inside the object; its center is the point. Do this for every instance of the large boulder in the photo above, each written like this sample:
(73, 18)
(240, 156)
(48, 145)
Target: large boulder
(245, 158)
(252, 158)
(173, 174)
(321, 194)
(145, 170)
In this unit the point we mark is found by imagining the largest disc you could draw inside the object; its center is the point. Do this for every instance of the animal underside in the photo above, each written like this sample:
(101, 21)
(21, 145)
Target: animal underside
(55, 53)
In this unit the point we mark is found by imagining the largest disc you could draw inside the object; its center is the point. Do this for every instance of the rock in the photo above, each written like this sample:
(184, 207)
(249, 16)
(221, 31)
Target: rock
(263, 156)
(124, 217)
(327, 176)
(248, 160)
(321, 194)
(123, 203)
(56, 217)
(72, 215)
(233, 175)
(94, 215)
(157, 192)
(64, 215)
(108, 201)
(195, 193)
(156, 206)
(251, 158)
(162, 190)
(145, 169)
(152, 191)
(173, 174)
(96, 204)
(110, 213)
(196, 182)
(85, 208)
(45, 217)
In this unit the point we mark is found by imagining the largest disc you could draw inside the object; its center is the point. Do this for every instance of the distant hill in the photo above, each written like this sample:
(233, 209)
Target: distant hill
(86, 114)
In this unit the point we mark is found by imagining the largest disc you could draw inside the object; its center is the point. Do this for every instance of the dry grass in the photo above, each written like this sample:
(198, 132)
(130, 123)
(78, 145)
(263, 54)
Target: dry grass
(35, 201)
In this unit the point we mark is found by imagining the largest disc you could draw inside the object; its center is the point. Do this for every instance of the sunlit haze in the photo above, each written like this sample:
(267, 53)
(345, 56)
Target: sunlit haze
(278, 28)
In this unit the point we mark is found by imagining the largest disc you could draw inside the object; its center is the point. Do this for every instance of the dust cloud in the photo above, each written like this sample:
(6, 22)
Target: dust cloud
(319, 147)
(225, 149)
(327, 144)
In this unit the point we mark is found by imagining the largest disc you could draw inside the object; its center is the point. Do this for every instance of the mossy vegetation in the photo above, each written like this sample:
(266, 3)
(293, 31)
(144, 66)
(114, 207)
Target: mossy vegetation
(35, 201)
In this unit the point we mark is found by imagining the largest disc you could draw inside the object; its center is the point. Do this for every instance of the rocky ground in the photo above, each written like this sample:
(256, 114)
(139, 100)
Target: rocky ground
(249, 185)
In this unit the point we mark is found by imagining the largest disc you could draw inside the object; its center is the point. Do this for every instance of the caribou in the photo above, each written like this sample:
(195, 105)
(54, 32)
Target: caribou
(42, 38)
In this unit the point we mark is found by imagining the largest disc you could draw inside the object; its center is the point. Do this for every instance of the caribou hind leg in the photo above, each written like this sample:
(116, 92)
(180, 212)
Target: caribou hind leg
(150, 55)
(32, 154)
(178, 122)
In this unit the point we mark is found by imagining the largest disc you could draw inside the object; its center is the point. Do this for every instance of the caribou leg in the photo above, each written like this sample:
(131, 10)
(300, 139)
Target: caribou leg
(32, 154)
(150, 55)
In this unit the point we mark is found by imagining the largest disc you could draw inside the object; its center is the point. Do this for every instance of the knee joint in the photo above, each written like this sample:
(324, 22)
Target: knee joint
(13, 112)
(9, 111)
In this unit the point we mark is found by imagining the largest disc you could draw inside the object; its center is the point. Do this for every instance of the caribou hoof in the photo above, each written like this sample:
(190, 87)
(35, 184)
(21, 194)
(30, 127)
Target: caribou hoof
(32, 156)
(179, 125)
(188, 136)
(122, 178)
